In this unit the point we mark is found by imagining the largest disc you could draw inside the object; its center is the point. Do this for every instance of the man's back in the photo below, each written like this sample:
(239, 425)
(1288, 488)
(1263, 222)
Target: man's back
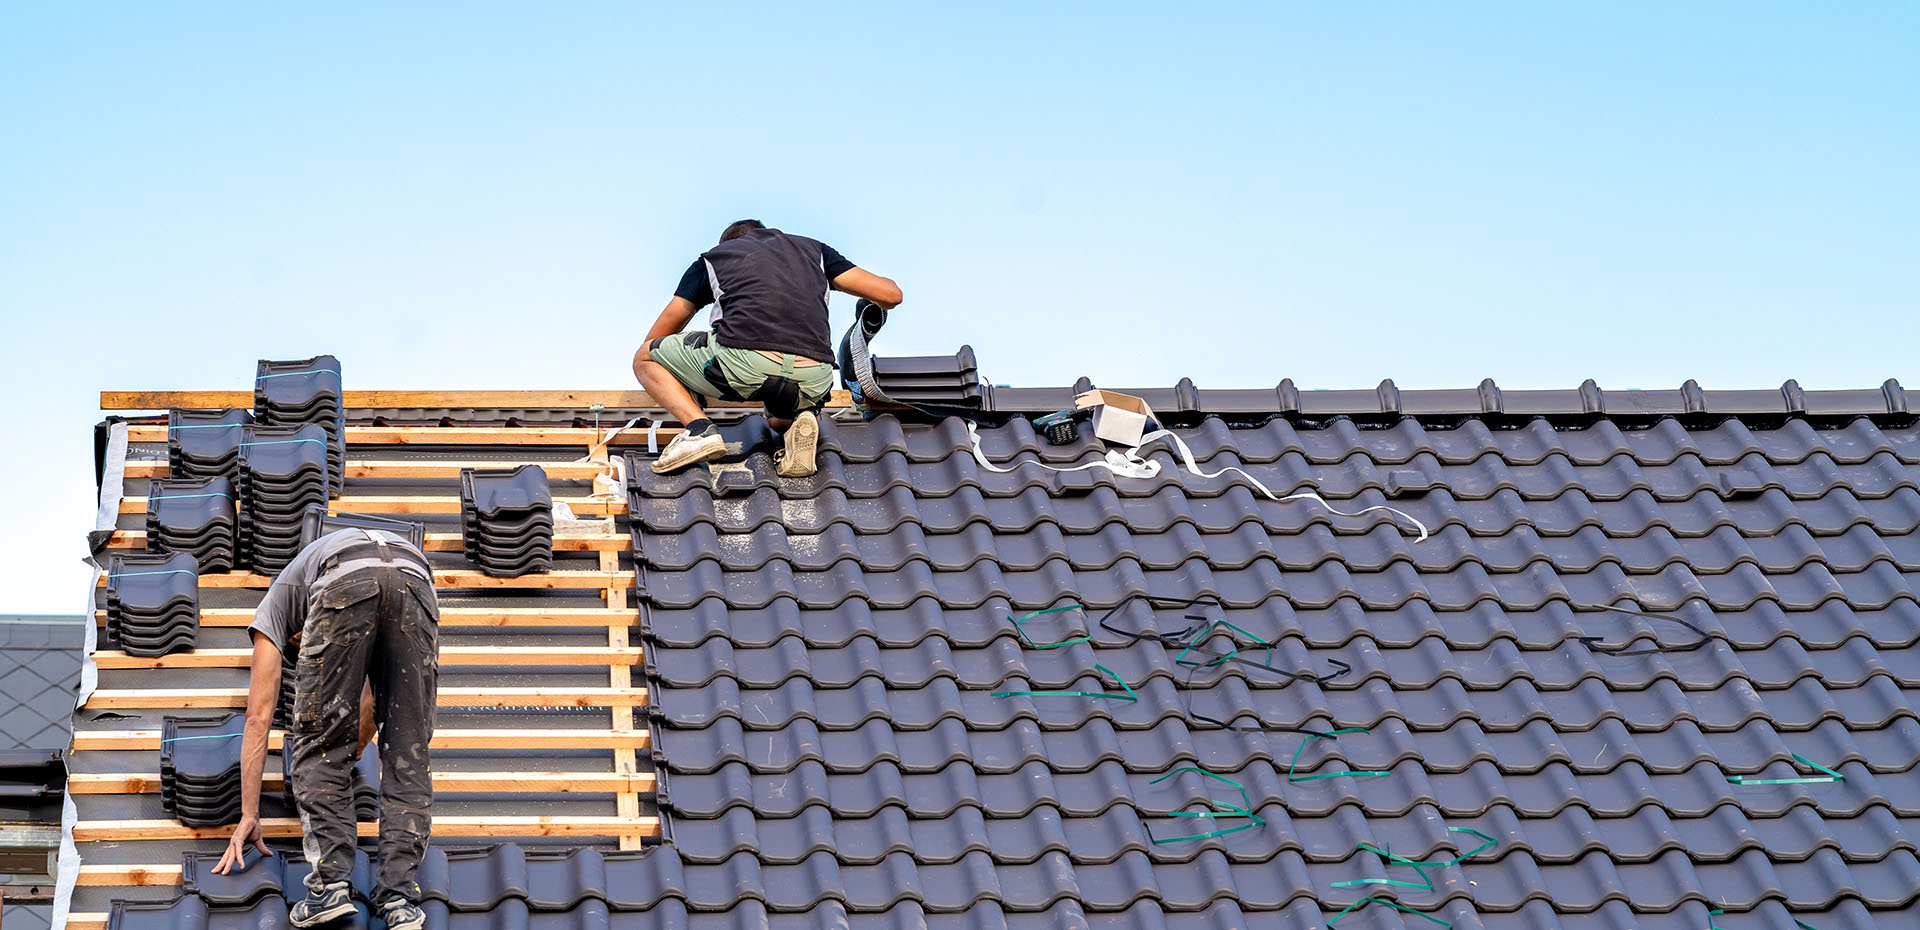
(770, 292)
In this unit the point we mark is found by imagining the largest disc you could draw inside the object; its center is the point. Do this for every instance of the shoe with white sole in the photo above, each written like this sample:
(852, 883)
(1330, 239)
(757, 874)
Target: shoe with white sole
(690, 449)
(318, 908)
(797, 461)
(402, 914)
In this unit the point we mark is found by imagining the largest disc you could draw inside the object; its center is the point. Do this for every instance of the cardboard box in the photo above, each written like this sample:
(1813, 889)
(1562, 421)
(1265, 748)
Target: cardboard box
(1120, 419)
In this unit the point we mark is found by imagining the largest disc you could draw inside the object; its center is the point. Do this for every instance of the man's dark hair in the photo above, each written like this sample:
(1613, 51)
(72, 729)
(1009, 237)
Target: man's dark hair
(739, 228)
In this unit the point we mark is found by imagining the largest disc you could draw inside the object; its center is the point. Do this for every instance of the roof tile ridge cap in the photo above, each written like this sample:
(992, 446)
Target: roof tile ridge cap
(1491, 400)
(1592, 399)
(1794, 396)
(1896, 396)
(1288, 396)
(1389, 396)
(1692, 398)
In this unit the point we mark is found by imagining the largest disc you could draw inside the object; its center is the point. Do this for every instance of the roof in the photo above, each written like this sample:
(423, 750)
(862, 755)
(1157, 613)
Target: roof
(39, 675)
(1454, 730)
(827, 657)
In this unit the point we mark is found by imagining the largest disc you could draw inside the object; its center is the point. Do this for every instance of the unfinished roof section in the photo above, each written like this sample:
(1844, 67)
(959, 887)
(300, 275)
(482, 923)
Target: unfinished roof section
(537, 740)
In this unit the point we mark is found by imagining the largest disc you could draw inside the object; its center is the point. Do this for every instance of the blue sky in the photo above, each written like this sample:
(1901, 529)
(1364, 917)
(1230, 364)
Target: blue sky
(484, 195)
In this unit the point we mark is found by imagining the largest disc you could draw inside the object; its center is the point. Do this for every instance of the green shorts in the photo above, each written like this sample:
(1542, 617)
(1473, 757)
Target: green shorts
(712, 370)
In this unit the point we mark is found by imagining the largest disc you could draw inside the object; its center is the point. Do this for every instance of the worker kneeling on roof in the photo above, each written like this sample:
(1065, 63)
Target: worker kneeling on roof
(359, 606)
(770, 340)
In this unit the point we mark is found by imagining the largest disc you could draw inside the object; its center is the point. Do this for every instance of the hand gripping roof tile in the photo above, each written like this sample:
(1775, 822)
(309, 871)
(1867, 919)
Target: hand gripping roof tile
(851, 721)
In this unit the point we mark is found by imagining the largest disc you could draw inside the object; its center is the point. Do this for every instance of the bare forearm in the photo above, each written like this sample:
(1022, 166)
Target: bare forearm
(673, 318)
(253, 763)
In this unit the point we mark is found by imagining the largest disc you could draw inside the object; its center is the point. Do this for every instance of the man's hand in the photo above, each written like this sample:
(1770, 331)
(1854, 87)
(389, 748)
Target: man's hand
(247, 830)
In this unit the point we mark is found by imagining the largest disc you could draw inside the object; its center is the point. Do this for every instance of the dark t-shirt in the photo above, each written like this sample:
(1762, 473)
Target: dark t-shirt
(696, 289)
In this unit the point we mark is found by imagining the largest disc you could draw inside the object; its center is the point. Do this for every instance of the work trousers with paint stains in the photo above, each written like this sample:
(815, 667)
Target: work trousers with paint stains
(380, 623)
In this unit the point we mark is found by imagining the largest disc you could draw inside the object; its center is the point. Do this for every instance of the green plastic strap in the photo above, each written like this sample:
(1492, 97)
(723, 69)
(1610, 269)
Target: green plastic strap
(1194, 643)
(182, 739)
(175, 497)
(1370, 899)
(1803, 925)
(168, 571)
(1018, 631)
(1291, 768)
(1131, 695)
(1420, 866)
(1220, 811)
(208, 426)
(1830, 777)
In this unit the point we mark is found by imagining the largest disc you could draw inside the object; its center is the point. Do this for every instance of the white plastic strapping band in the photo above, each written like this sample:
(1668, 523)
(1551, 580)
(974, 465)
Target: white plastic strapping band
(1128, 463)
(106, 517)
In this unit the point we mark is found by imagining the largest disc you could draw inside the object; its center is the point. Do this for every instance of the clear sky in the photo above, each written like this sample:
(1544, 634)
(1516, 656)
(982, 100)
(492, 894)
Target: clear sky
(503, 195)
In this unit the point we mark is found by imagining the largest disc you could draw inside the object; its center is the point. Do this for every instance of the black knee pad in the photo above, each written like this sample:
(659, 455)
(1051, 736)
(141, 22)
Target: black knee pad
(781, 395)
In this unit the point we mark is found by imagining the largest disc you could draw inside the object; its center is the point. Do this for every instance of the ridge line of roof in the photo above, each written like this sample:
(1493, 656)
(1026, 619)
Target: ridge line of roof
(1485, 399)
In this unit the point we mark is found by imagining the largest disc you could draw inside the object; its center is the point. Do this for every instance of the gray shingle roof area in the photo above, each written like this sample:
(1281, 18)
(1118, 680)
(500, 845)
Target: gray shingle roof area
(39, 678)
(828, 658)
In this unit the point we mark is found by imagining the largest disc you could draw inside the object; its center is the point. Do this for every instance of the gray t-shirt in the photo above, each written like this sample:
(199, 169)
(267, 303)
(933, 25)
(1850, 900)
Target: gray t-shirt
(283, 611)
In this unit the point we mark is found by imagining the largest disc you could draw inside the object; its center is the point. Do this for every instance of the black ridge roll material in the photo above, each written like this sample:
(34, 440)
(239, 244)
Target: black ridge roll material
(934, 385)
(301, 392)
(153, 602)
(283, 471)
(506, 520)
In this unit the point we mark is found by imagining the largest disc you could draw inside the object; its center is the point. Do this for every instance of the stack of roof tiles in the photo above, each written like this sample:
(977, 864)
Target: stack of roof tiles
(853, 729)
(194, 515)
(318, 521)
(153, 602)
(283, 471)
(306, 391)
(506, 519)
(204, 443)
(943, 381)
(200, 768)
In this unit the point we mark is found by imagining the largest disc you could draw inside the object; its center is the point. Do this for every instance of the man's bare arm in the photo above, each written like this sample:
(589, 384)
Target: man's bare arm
(863, 283)
(674, 318)
(263, 693)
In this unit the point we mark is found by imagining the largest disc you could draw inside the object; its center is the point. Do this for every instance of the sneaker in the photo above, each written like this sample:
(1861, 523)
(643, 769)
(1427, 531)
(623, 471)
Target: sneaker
(690, 449)
(402, 914)
(797, 461)
(325, 906)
